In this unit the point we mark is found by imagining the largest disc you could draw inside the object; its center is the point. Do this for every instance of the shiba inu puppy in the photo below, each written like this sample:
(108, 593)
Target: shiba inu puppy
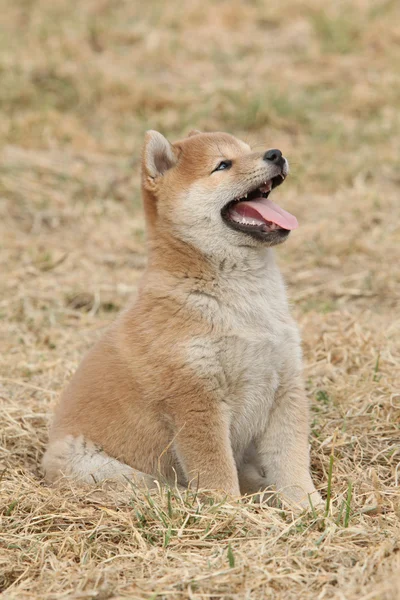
(200, 380)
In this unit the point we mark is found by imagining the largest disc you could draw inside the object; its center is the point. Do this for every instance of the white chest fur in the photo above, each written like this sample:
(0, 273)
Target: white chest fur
(253, 341)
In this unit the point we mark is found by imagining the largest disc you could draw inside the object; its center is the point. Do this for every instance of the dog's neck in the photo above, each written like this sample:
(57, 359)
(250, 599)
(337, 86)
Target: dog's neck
(181, 260)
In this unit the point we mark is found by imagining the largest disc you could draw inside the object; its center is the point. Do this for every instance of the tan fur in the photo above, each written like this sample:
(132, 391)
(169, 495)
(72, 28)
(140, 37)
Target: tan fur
(200, 379)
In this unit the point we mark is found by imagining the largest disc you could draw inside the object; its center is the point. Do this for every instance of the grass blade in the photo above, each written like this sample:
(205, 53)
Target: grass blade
(329, 490)
(231, 557)
(170, 511)
(338, 520)
(348, 504)
(314, 512)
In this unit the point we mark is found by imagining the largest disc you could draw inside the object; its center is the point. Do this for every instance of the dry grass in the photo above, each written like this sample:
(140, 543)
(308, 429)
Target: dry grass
(81, 82)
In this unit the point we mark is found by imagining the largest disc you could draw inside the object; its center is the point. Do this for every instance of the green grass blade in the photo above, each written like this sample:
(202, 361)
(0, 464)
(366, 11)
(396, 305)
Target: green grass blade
(348, 504)
(314, 512)
(231, 557)
(329, 490)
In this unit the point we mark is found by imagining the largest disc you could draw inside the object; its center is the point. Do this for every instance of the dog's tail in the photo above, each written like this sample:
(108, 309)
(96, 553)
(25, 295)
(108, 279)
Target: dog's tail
(79, 459)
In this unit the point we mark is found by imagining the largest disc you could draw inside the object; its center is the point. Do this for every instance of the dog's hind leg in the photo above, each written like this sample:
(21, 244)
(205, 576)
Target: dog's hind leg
(79, 459)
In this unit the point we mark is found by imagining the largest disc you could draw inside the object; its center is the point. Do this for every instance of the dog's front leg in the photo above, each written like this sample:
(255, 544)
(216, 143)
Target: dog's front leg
(283, 448)
(202, 445)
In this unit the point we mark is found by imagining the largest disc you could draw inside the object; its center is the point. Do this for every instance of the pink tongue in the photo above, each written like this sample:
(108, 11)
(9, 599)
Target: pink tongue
(268, 210)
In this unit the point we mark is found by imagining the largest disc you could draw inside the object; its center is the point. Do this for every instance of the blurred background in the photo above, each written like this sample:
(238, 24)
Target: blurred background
(80, 83)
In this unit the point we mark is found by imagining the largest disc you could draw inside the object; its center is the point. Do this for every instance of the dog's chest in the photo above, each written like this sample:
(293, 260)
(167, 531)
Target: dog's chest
(244, 358)
(252, 358)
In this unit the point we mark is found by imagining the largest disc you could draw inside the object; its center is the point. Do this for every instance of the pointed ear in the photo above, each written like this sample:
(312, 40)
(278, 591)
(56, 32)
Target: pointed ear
(158, 155)
(193, 132)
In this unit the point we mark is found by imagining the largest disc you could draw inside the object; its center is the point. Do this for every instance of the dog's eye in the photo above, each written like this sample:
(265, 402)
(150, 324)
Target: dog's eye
(225, 164)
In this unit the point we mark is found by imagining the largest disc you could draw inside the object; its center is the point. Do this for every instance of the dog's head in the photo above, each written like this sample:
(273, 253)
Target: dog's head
(212, 191)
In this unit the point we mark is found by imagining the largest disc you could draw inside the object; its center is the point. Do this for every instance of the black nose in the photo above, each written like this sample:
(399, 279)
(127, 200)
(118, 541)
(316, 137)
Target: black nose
(274, 155)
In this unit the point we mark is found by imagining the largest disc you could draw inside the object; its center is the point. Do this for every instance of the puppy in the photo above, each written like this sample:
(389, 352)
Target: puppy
(200, 379)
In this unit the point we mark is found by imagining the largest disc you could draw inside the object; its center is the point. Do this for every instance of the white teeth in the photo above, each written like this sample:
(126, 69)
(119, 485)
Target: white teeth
(266, 187)
(245, 196)
(242, 220)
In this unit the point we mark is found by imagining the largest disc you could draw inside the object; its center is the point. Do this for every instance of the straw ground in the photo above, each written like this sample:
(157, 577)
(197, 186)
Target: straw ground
(80, 83)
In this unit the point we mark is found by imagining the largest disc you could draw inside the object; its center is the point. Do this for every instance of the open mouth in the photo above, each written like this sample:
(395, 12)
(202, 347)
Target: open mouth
(256, 213)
